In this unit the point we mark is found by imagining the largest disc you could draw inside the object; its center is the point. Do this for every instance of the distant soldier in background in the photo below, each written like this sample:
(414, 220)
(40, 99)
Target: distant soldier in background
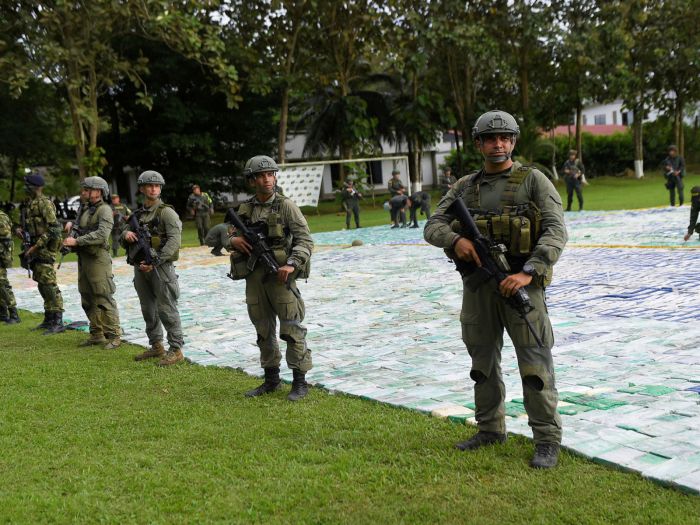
(44, 230)
(395, 185)
(694, 211)
(95, 280)
(573, 177)
(121, 213)
(448, 180)
(159, 227)
(350, 198)
(420, 200)
(200, 206)
(8, 305)
(675, 179)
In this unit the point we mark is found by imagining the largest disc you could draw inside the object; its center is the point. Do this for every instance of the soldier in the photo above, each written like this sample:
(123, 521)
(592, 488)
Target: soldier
(218, 237)
(538, 235)
(448, 180)
(44, 240)
(420, 200)
(351, 202)
(156, 284)
(396, 187)
(121, 213)
(694, 212)
(95, 280)
(573, 177)
(270, 297)
(200, 206)
(397, 210)
(676, 179)
(8, 305)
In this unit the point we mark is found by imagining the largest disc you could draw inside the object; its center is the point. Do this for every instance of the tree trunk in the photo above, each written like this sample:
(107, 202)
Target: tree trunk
(579, 133)
(678, 125)
(13, 177)
(460, 168)
(284, 115)
(116, 159)
(638, 116)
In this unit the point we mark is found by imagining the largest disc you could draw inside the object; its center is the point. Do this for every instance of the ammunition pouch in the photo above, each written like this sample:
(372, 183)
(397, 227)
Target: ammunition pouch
(239, 266)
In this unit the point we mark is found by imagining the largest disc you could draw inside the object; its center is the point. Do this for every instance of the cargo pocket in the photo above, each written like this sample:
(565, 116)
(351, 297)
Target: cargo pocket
(523, 338)
(520, 236)
(168, 278)
(253, 305)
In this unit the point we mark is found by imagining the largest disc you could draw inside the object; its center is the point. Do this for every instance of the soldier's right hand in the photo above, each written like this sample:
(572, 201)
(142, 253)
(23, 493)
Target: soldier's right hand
(241, 245)
(130, 237)
(67, 227)
(464, 249)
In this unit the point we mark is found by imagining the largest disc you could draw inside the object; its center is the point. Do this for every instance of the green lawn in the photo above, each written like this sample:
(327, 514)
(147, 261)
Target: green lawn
(91, 436)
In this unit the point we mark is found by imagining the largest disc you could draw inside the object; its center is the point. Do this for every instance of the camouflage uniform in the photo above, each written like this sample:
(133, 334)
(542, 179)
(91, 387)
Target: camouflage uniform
(158, 290)
(395, 186)
(45, 232)
(201, 206)
(120, 212)
(694, 210)
(8, 305)
(484, 314)
(95, 279)
(419, 201)
(267, 299)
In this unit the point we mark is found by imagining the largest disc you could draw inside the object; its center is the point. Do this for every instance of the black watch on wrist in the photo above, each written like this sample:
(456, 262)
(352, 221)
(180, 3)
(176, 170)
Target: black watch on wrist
(530, 270)
(291, 263)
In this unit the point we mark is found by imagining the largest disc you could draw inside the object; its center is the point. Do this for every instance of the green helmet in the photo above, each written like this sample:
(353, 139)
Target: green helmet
(259, 164)
(97, 183)
(495, 121)
(150, 177)
(85, 183)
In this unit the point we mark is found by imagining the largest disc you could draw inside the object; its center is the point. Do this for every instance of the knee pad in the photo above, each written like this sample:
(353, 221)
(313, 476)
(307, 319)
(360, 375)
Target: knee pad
(534, 382)
(478, 376)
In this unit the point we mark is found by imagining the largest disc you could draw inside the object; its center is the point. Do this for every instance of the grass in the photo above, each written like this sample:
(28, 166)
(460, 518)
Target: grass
(92, 436)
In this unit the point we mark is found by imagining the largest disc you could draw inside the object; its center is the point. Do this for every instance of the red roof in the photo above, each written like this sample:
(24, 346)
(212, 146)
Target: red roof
(593, 129)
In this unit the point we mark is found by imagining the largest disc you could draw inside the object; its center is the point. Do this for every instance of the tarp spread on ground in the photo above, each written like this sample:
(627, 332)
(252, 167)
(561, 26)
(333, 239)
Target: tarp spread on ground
(383, 323)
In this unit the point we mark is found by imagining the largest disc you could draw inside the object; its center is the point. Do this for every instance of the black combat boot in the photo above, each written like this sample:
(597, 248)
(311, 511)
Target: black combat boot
(56, 324)
(13, 316)
(4, 316)
(546, 455)
(44, 324)
(481, 439)
(272, 383)
(217, 252)
(299, 386)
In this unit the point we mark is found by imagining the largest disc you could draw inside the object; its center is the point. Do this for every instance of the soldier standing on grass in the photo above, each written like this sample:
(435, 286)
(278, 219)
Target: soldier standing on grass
(156, 283)
(512, 189)
(8, 305)
(200, 206)
(95, 279)
(573, 177)
(121, 214)
(275, 296)
(44, 232)
(675, 179)
(351, 202)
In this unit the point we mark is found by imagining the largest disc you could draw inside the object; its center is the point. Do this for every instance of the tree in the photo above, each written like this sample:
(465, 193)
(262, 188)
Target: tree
(71, 44)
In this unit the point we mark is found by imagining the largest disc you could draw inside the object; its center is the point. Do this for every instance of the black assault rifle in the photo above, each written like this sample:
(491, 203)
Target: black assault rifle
(24, 259)
(493, 265)
(260, 249)
(143, 241)
(65, 250)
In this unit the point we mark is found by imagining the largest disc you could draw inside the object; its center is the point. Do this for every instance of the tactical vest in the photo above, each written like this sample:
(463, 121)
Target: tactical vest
(518, 227)
(91, 224)
(155, 226)
(278, 238)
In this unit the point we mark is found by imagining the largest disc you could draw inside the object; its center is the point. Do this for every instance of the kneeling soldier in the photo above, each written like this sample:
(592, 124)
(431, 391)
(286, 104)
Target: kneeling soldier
(95, 279)
(152, 241)
(275, 296)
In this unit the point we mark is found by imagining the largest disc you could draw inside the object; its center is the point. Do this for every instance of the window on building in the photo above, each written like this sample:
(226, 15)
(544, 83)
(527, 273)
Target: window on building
(625, 118)
(374, 169)
(599, 120)
(585, 120)
(614, 117)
